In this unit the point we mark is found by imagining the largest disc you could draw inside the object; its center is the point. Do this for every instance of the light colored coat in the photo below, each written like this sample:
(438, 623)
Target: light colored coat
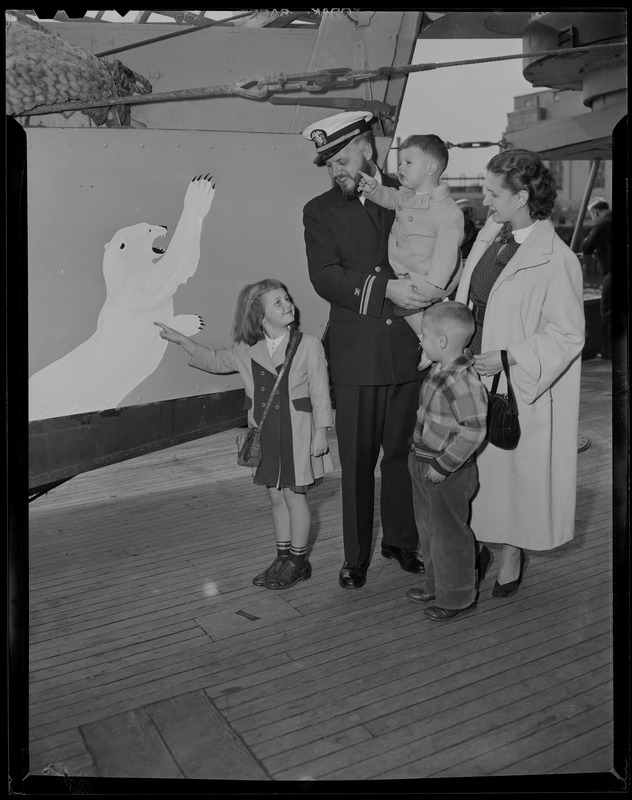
(424, 242)
(308, 388)
(535, 311)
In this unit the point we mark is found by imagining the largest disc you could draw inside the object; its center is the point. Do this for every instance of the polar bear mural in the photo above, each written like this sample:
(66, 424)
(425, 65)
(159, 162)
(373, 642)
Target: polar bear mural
(140, 281)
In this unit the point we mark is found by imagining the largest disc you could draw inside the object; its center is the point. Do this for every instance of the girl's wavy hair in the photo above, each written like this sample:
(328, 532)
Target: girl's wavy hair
(249, 313)
(523, 169)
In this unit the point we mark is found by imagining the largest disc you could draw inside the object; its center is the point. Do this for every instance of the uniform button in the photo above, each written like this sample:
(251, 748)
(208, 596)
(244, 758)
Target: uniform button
(410, 219)
(263, 405)
(263, 388)
(389, 321)
(262, 372)
(378, 269)
(276, 406)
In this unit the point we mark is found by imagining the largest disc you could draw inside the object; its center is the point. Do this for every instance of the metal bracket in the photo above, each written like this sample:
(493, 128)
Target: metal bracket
(362, 19)
(329, 79)
(347, 103)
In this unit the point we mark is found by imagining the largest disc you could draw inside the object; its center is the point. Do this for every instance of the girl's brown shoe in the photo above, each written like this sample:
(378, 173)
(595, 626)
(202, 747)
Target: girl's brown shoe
(289, 574)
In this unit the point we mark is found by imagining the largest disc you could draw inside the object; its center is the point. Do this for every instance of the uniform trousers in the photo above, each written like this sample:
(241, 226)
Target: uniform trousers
(367, 418)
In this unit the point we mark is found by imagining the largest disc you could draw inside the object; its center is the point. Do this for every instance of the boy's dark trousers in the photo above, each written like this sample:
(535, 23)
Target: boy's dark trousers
(447, 544)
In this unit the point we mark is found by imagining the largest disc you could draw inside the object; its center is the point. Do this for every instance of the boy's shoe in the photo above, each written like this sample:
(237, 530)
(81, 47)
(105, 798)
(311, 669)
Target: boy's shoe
(420, 596)
(268, 572)
(438, 614)
(289, 574)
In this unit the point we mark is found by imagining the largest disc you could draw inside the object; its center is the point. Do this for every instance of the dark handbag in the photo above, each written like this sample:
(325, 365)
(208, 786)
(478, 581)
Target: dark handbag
(503, 426)
(249, 441)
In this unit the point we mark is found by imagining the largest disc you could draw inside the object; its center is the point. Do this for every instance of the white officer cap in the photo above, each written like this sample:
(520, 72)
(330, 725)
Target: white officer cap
(332, 134)
(593, 202)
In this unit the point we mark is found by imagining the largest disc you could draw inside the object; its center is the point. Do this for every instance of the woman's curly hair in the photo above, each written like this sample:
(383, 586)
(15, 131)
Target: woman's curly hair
(523, 169)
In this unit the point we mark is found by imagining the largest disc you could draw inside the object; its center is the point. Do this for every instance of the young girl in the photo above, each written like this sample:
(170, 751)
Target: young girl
(294, 435)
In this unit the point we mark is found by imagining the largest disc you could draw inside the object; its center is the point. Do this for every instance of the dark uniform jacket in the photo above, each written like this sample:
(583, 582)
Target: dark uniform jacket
(347, 254)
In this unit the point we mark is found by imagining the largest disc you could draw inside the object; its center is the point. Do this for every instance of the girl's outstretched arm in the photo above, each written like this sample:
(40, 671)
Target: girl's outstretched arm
(171, 335)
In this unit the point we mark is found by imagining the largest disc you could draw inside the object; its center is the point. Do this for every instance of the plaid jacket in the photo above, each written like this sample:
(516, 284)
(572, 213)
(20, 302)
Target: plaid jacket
(451, 420)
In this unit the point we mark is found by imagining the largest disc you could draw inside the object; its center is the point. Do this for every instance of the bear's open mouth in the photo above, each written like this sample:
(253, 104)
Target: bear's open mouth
(159, 251)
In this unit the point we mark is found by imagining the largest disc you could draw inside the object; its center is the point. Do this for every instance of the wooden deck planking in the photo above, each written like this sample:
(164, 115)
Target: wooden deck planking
(596, 753)
(425, 748)
(129, 745)
(406, 689)
(240, 703)
(137, 575)
(182, 737)
(395, 720)
(114, 675)
(527, 739)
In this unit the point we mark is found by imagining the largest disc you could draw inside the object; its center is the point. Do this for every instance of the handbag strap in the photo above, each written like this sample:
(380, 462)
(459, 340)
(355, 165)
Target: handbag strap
(288, 354)
(510, 393)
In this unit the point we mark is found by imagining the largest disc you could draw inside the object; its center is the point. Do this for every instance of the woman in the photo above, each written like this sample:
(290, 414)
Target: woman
(524, 286)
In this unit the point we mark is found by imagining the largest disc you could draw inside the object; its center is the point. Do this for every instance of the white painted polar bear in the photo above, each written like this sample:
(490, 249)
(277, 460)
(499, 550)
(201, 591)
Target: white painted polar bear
(140, 281)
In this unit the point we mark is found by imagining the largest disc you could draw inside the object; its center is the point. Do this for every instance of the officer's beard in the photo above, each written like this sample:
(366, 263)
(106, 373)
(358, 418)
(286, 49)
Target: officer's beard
(349, 187)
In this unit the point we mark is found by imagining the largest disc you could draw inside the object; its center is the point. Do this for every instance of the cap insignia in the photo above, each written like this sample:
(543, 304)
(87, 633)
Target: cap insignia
(319, 137)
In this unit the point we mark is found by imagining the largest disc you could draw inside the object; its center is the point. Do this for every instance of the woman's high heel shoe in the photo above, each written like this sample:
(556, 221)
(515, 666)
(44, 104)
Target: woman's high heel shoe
(483, 561)
(507, 589)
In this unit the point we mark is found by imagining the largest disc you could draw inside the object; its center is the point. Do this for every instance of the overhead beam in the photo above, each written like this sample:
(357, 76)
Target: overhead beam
(460, 25)
(582, 137)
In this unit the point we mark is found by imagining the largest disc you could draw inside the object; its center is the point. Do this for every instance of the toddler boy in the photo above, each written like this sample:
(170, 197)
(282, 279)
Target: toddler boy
(424, 242)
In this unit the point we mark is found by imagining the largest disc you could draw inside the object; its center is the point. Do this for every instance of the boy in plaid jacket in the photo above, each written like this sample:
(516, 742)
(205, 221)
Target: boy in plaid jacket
(450, 427)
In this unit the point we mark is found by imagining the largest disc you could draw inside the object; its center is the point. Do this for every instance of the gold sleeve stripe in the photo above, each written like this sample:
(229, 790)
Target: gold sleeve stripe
(366, 294)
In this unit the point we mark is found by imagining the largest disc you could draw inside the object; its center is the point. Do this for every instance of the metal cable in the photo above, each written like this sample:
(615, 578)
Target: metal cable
(210, 24)
(318, 81)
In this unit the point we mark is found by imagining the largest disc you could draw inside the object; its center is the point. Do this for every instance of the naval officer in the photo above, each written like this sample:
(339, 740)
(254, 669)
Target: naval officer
(373, 353)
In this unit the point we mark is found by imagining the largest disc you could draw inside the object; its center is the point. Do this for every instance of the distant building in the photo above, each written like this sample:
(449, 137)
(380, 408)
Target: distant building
(571, 175)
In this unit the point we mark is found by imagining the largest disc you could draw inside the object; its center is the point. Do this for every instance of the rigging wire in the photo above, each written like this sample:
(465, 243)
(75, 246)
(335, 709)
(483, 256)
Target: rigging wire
(173, 34)
(318, 81)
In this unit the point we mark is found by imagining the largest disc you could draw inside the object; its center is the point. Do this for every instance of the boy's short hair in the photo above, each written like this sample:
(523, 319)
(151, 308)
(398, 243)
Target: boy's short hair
(431, 145)
(453, 318)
